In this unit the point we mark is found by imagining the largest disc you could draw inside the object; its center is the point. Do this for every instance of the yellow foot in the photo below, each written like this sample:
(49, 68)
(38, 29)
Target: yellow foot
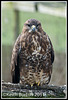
(38, 83)
(31, 85)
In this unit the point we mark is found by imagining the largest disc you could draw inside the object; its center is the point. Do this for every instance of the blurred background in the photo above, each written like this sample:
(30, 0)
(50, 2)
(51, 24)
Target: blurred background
(52, 16)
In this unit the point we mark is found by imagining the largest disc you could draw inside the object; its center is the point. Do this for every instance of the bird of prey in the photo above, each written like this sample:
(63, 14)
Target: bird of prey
(32, 55)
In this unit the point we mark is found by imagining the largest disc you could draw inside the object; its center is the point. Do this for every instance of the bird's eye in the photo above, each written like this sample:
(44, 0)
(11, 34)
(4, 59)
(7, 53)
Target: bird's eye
(38, 25)
(28, 25)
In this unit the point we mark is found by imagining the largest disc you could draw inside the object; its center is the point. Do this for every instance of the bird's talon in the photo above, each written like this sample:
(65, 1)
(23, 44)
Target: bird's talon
(38, 83)
(31, 85)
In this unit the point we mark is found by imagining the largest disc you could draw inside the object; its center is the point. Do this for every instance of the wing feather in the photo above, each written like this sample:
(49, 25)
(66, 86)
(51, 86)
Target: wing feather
(52, 51)
(15, 71)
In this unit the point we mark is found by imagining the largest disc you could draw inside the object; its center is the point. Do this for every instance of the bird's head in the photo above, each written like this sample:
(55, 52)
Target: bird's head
(32, 26)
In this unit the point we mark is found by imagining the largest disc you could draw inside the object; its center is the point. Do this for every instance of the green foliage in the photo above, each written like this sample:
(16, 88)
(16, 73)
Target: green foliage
(54, 26)
(7, 26)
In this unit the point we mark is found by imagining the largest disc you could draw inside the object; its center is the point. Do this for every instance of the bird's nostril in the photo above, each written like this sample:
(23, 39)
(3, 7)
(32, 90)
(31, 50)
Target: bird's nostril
(33, 29)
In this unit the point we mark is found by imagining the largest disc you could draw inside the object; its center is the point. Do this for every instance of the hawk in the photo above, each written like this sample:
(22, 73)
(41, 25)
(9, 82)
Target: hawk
(32, 55)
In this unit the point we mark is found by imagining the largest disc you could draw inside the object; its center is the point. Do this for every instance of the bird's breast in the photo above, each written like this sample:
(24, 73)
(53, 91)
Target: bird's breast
(34, 59)
(34, 52)
(35, 46)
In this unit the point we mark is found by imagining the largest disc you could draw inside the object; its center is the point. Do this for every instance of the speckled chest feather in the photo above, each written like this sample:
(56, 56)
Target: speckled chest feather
(35, 60)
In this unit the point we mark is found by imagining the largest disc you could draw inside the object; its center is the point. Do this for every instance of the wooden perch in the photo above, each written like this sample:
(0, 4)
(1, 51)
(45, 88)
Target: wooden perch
(10, 90)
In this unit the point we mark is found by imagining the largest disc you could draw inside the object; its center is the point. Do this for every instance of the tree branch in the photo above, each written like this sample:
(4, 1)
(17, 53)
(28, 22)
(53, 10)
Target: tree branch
(10, 90)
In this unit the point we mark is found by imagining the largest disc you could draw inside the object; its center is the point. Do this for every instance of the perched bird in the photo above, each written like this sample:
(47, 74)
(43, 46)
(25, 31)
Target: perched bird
(32, 55)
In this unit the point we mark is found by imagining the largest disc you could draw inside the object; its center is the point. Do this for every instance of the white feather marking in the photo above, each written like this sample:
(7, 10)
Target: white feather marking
(35, 52)
(46, 78)
(42, 49)
(48, 39)
(47, 63)
(39, 48)
(34, 42)
(36, 37)
(47, 49)
(30, 30)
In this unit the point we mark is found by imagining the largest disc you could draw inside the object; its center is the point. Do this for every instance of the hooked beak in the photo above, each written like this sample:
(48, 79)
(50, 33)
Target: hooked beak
(33, 28)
